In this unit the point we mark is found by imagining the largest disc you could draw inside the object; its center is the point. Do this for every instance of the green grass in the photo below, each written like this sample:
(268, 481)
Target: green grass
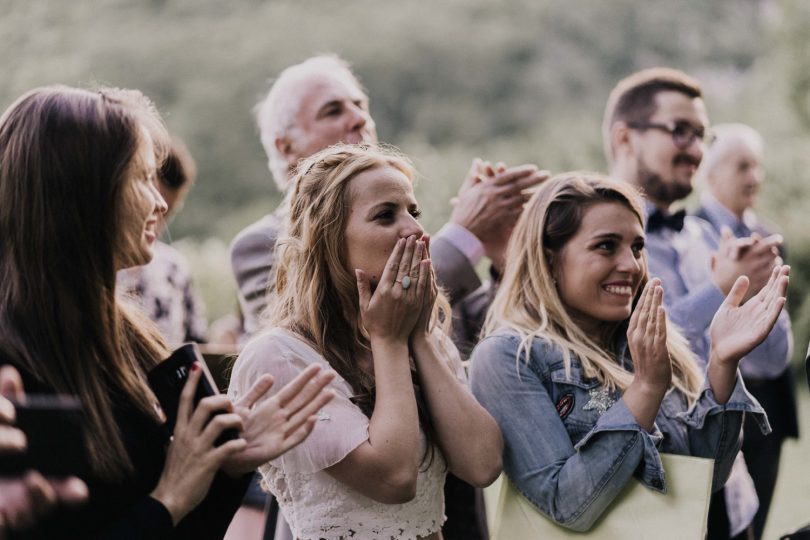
(791, 502)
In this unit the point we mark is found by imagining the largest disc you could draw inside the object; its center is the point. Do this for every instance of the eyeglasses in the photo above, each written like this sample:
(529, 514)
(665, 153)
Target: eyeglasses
(683, 133)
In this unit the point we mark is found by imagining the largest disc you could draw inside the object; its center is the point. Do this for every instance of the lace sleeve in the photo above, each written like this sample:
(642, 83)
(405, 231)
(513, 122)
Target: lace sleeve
(341, 425)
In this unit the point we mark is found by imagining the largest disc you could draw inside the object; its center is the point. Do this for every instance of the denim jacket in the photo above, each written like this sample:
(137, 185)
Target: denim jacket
(571, 446)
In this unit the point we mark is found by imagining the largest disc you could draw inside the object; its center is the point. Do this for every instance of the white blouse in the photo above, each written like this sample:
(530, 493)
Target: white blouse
(315, 504)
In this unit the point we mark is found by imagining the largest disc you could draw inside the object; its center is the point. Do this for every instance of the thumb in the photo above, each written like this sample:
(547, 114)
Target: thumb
(737, 293)
(472, 175)
(363, 289)
(11, 384)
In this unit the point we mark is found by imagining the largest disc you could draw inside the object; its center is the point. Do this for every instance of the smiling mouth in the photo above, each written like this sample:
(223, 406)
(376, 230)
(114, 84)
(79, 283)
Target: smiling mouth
(620, 290)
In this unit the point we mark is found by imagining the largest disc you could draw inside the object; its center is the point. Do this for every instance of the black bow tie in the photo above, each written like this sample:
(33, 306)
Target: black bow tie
(658, 221)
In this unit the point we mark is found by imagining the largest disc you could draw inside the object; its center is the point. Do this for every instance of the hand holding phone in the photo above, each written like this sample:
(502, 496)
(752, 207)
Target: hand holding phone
(168, 378)
(53, 425)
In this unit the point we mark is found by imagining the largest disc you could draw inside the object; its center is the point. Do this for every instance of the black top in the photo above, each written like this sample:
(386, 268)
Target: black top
(124, 509)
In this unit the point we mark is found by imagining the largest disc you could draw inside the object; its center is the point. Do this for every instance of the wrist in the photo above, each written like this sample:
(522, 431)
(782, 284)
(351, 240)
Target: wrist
(720, 362)
(420, 343)
(170, 503)
(650, 390)
(391, 346)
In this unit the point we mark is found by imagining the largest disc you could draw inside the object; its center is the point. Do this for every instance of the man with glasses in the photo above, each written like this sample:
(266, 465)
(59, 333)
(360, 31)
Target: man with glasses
(655, 132)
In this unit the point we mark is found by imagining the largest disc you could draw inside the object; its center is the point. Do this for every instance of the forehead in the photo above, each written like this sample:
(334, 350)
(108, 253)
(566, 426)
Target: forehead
(609, 218)
(380, 185)
(672, 106)
(737, 148)
(318, 89)
(146, 150)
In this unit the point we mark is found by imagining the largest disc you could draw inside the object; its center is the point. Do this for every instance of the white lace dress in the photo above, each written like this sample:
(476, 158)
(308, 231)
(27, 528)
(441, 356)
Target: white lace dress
(314, 503)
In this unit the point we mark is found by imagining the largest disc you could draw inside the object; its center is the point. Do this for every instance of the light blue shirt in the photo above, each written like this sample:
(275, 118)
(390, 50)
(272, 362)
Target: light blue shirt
(682, 261)
(772, 357)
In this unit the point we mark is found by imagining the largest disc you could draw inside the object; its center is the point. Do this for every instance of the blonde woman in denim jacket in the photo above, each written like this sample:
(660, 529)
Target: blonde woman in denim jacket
(582, 370)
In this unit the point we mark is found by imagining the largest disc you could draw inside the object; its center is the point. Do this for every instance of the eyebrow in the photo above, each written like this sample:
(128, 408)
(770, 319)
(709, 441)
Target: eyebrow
(613, 236)
(328, 104)
(388, 205)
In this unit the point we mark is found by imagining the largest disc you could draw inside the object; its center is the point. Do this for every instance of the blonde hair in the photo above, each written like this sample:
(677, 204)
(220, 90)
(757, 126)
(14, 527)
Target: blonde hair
(316, 293)
(528, 301)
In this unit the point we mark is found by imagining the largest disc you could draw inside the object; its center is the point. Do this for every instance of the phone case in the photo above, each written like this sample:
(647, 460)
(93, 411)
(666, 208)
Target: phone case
(168, 378)
(54, 428)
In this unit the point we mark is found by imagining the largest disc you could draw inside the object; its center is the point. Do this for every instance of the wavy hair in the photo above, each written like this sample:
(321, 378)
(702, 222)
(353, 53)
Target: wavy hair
(316, 294)
(528, 302)
(68, 158)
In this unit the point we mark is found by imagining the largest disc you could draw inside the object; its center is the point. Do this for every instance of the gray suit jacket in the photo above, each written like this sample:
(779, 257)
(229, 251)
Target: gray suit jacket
(253, 259)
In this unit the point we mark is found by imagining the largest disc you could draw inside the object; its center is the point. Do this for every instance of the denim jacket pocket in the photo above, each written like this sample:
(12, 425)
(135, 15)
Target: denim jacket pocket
(571, 396)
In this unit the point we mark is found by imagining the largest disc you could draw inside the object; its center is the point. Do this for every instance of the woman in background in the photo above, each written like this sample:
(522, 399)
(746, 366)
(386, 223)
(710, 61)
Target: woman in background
(78, 202)
(581, 369)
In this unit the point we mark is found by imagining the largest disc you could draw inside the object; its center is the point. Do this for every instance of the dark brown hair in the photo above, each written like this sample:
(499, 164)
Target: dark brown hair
(66, 159)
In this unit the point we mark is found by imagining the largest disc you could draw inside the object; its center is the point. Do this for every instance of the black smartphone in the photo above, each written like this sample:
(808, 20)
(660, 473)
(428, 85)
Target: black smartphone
(168, 378)
(54, 428)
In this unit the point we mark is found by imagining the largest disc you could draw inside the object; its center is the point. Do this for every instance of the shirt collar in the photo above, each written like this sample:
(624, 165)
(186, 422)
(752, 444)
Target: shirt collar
(718, 214)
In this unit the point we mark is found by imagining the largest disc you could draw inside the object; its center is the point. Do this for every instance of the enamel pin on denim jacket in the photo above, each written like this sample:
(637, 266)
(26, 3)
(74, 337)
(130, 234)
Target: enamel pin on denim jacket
(571, 445)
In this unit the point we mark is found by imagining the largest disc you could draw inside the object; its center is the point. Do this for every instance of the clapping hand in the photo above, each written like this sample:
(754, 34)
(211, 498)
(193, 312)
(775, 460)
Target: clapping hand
(280, 422)
(736, 329)
(491, 199)
(647, 339)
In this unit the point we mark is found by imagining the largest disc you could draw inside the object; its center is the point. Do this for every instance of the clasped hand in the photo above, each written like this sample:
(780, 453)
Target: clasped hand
(392, 311)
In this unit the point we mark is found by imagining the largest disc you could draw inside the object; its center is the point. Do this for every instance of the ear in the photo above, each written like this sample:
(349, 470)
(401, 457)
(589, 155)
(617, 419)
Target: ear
(620, 140)
(285, 148)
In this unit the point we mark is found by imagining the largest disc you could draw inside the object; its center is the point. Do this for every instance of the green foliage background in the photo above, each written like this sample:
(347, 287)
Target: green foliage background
(511, 80)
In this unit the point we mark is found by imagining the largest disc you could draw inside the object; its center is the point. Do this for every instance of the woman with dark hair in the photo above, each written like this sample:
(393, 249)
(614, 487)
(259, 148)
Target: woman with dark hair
(355, 292)
(77, 203)
(582, 370)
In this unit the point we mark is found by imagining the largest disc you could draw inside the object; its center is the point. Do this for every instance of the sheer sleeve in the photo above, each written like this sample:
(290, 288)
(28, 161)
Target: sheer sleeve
(341, 425)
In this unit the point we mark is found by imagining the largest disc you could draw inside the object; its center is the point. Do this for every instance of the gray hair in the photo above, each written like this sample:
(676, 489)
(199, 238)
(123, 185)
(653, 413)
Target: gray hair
(276, 113)
(725, 135)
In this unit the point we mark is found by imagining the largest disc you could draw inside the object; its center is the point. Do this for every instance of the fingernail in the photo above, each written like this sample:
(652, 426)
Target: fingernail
(195, 366)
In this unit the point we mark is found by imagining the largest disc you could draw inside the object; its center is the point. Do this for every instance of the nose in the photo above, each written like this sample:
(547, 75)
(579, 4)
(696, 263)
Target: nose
(161, 207)
(358, 118)
(412, 227)
(695, 149)
(630, 261)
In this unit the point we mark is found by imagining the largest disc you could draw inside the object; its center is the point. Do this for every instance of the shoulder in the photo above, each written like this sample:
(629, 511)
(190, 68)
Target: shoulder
(262, 233)
(276, 351)
(168, 256)
(505, 347)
